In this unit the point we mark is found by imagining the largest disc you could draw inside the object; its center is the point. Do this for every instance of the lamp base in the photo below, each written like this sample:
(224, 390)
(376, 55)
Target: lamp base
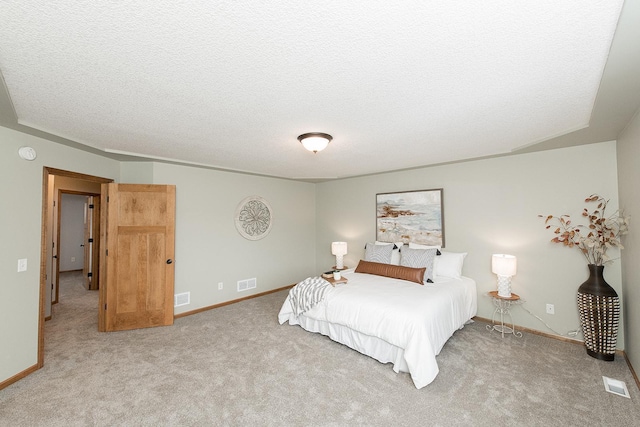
(504, 286)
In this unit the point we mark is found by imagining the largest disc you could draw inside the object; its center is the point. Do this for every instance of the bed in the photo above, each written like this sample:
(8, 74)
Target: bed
(391, 320)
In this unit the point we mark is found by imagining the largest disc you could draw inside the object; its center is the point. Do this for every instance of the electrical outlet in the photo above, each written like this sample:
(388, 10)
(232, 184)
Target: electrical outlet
(73, 259)
(220, 284)
(551, 309)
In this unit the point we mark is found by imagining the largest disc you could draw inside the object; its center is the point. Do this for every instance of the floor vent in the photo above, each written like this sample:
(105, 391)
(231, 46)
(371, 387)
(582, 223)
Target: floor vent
(616, 387)
(244, 285)
(182, 299)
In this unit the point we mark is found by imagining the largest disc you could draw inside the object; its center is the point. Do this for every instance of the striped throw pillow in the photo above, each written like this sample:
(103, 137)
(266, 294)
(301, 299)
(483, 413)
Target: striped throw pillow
(419, 258)
(378, 253)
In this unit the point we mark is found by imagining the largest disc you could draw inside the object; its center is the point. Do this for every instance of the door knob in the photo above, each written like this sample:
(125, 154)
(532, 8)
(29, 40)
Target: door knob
(169, 261)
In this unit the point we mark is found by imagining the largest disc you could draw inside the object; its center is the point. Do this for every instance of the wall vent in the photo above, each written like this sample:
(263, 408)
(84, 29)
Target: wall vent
(244, 285)
(616, 387)
(182, 299)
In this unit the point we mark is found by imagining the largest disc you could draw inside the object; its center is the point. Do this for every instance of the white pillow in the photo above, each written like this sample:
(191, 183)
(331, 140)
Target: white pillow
(395, 255)
(417, 246)
(449, 264)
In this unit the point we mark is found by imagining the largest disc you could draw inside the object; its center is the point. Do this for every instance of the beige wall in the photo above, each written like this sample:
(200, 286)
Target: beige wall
(20, 226)
(629, 177)
(491, 206)
(210, 250)
(136, 172)
(71, 244)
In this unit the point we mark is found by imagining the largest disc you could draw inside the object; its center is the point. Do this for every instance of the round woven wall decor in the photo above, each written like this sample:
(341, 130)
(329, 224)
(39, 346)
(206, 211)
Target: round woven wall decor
(253, 218)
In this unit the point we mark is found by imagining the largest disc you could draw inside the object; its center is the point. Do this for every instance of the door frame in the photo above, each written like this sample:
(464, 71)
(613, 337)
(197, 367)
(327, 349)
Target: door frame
(91, 243)
(46, 172)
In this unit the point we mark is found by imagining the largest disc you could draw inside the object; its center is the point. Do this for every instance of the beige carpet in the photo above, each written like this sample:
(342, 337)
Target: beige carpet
(236, 366)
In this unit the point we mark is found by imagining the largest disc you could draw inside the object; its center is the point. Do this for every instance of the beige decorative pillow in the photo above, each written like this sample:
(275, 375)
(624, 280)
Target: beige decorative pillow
(390, 270)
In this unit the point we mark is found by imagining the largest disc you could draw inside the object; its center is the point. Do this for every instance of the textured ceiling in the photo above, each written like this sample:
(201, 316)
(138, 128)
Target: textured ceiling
(231, 84)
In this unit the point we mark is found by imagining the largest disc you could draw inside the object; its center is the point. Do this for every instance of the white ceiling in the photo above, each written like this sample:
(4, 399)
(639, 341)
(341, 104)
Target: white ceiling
(231, 84)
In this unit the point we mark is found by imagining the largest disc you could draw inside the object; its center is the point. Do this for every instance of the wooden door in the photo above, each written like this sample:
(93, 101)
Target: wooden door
(91, 243)
(137, 250)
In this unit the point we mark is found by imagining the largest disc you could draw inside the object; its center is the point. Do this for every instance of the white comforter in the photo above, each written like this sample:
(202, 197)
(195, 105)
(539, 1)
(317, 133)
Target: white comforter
(418, 319)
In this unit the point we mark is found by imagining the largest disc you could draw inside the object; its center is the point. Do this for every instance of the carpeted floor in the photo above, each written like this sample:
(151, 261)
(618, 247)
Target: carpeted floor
(236, 366)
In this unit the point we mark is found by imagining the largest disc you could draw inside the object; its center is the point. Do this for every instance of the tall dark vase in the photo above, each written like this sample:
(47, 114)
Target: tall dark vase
(599, 308)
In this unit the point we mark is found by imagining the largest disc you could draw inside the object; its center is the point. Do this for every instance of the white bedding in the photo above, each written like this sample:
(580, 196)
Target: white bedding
(392, 320)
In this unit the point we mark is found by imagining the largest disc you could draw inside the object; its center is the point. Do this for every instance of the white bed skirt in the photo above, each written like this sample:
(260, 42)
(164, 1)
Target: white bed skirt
(374, 347)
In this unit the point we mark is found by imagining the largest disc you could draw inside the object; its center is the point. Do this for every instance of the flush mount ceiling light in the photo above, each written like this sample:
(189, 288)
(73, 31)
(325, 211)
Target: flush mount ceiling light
(315, 141)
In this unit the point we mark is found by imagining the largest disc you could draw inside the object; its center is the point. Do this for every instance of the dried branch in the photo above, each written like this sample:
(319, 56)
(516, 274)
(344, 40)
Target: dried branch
(594, 239)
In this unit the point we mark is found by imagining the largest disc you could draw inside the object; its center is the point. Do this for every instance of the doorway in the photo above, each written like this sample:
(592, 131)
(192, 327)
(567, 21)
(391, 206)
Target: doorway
(75, 237)
(56, 181)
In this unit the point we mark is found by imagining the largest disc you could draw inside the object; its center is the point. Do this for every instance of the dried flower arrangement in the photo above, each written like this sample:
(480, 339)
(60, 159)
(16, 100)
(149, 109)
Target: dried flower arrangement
(597, 237)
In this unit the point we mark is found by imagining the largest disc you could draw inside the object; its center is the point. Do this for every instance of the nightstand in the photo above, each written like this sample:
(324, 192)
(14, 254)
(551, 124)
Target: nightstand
(335, 281)
(503, 308)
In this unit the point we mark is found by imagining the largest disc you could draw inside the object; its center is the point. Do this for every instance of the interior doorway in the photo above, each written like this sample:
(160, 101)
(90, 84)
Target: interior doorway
(76, 238)
(55, 183)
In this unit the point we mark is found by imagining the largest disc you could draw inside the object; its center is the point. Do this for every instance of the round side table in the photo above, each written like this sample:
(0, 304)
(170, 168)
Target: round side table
(503, 308)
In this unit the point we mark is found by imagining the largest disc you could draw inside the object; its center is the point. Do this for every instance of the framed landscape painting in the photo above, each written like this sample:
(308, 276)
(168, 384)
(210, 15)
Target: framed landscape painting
(410, 216)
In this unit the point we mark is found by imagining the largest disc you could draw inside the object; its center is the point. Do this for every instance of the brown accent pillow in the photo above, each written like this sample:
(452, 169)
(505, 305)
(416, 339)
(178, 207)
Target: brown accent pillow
(393, 271)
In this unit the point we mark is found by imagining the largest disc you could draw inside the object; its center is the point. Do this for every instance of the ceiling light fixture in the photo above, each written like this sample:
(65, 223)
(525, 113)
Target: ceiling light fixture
(315, 141)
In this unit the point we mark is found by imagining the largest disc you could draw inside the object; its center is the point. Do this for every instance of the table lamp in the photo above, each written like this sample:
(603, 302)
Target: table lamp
(339, 249)
(504, 266)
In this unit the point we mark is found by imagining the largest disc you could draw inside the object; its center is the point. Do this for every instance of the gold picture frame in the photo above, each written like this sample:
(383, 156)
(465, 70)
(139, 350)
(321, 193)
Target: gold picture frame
(411, 216)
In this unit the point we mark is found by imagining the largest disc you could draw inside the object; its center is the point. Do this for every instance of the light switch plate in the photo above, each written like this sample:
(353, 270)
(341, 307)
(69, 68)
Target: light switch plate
(22, 265)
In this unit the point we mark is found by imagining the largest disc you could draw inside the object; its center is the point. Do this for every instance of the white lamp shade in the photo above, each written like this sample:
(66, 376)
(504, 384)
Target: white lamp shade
(315, 141)
(503, 265)
(315, 144)
(339, 248)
